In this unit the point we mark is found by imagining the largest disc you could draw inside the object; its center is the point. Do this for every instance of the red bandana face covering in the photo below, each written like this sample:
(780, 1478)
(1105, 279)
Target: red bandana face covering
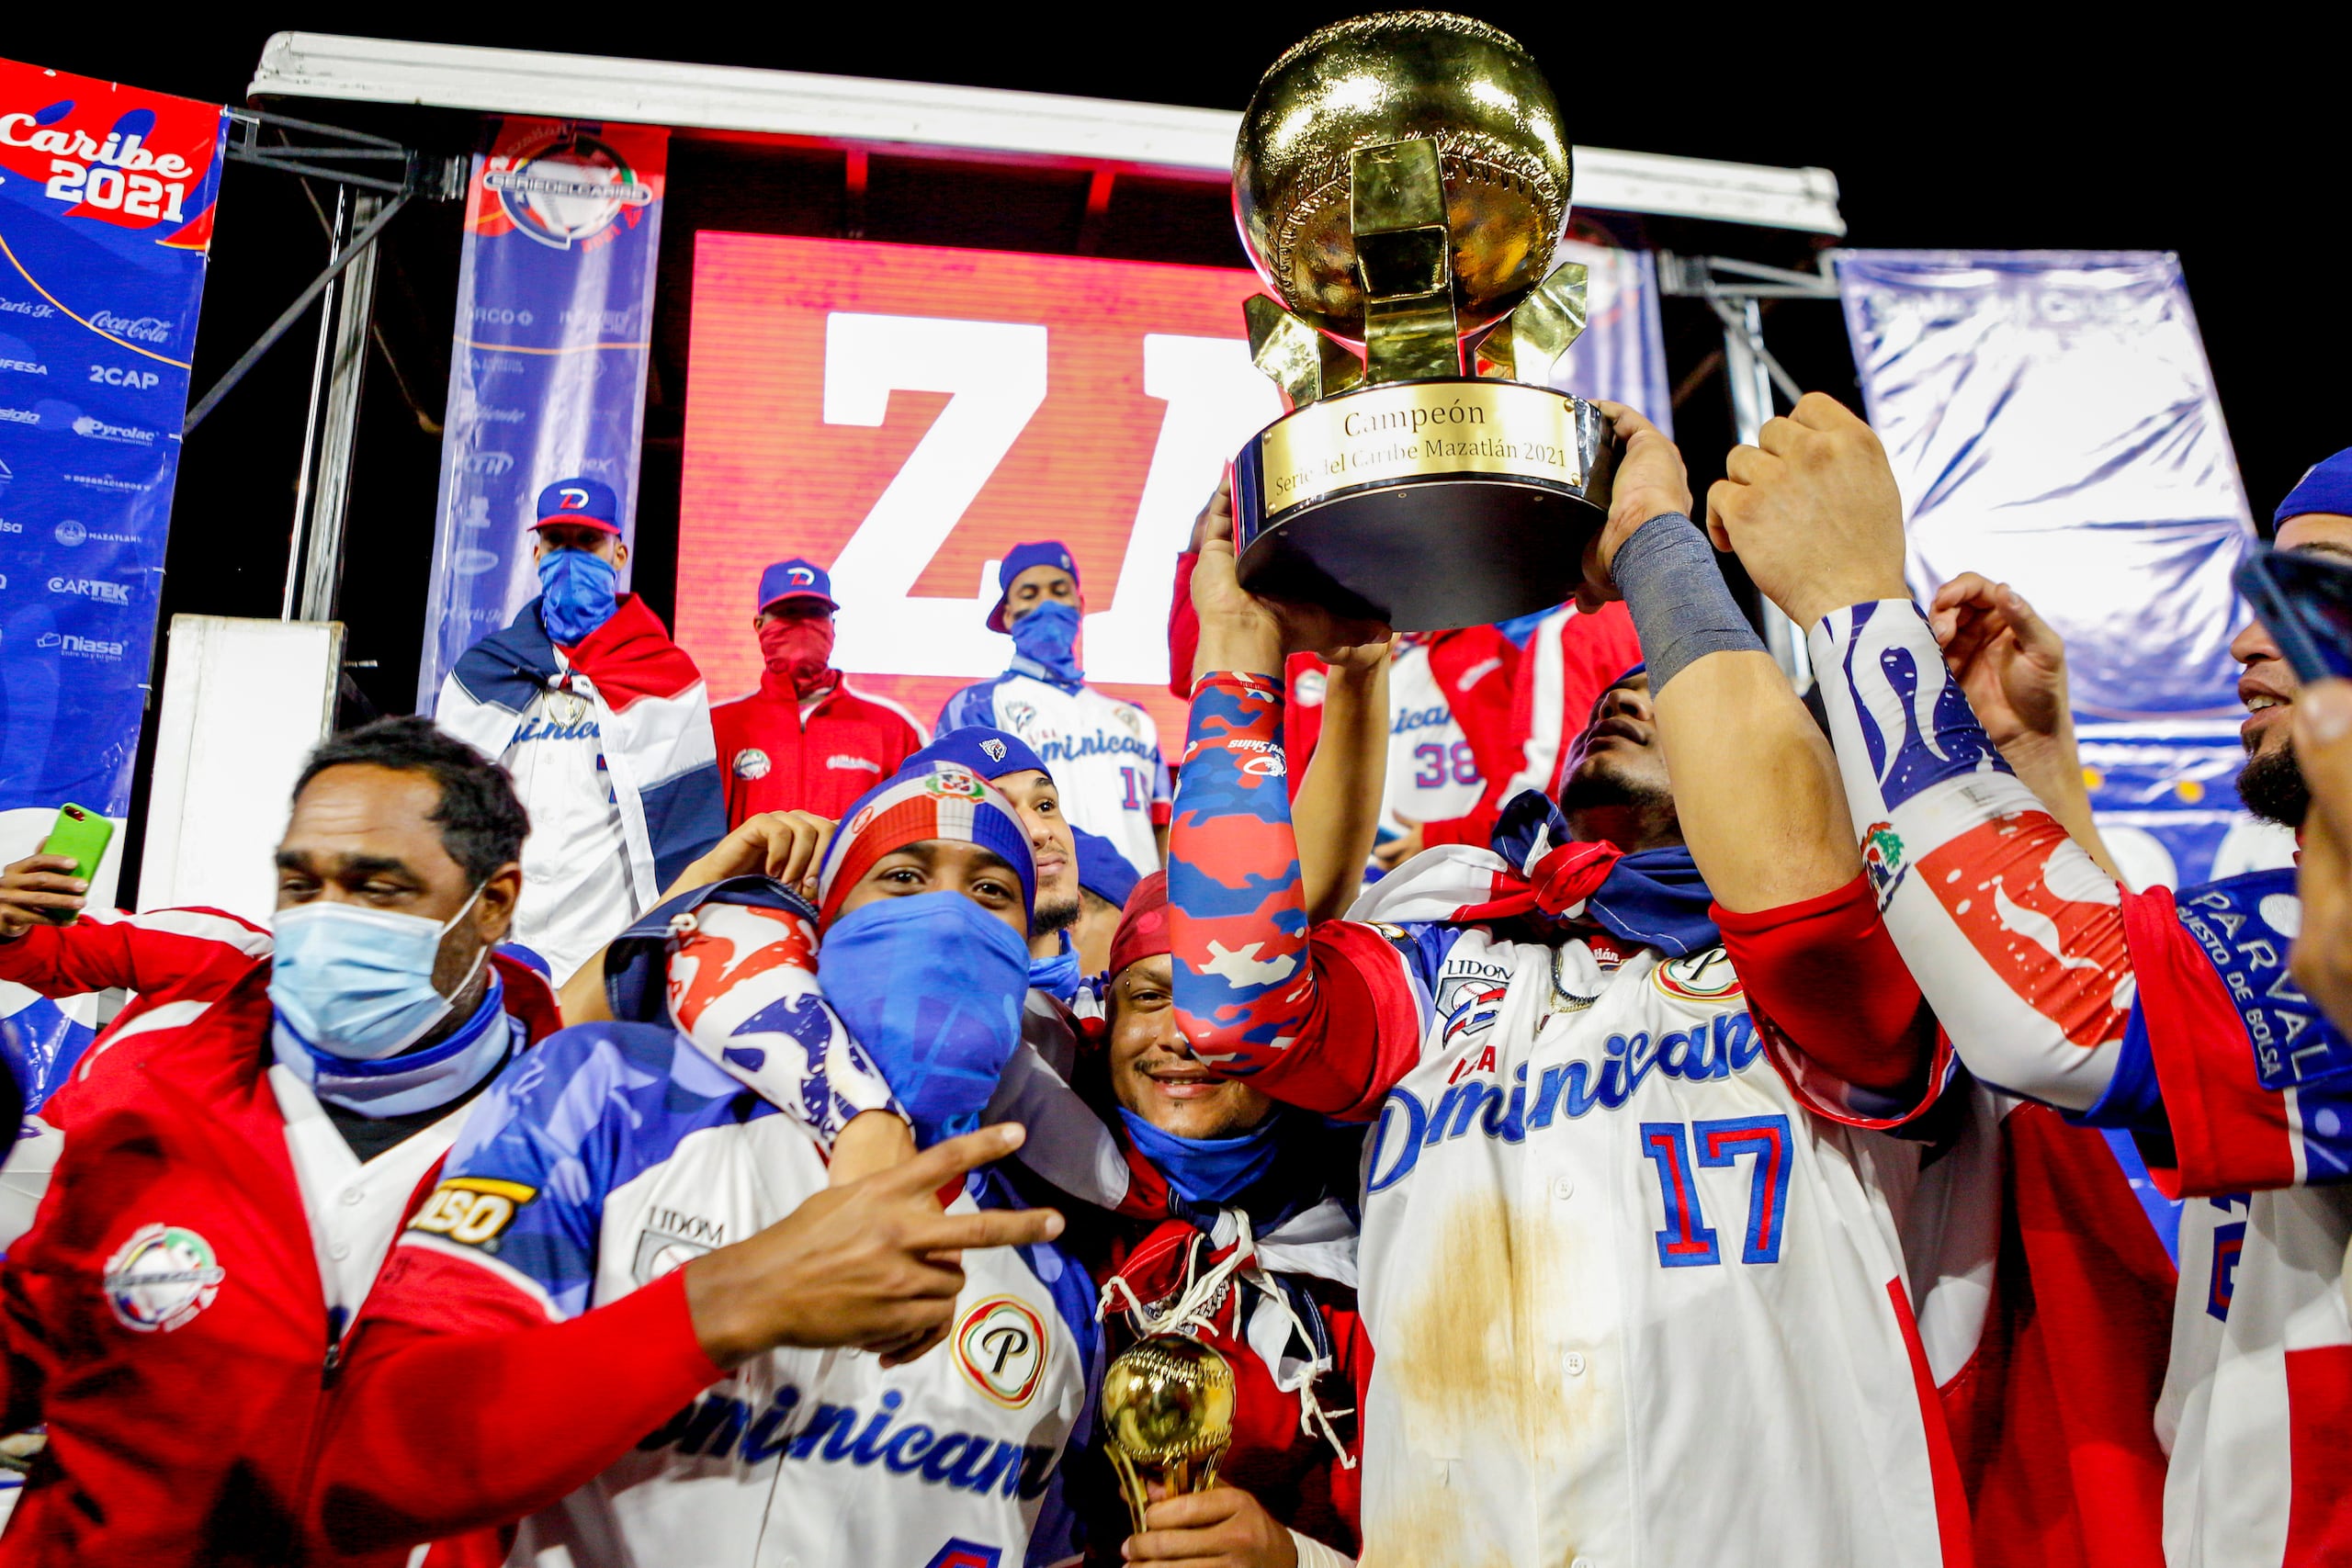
(798, 649)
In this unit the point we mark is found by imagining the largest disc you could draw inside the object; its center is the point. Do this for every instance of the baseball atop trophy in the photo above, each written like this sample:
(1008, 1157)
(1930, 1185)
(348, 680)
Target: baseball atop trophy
(1167, 1419)
(1401, 181)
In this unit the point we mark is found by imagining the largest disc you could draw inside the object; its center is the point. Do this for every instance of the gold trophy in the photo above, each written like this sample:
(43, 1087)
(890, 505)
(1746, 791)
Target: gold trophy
(1400, 182)
(1167, 1417)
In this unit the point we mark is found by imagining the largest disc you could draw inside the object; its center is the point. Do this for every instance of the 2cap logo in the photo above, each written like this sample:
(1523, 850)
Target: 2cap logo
(472, 1209)
(568, 191)
(160, 1279)
(752, 762)
(1001, 1349)
(993, 750)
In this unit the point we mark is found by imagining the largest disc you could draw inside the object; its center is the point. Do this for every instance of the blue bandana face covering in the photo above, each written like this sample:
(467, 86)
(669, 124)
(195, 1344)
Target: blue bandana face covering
(1047, 637)
(1207, 1171)
(931, 986)
(577, 593)
(1056, 976)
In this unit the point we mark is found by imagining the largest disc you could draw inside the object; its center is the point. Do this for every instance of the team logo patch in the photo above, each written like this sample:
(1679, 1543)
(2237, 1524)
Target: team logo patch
(658, 1252)
(955, 784)
(1882, 859)
(961, 1553)
(1018, 717)
(1699, 977)
(1000, 1347)
(994, 750)
(1131, 718)
(752, 762)
(161, 1278)
(472, 1209)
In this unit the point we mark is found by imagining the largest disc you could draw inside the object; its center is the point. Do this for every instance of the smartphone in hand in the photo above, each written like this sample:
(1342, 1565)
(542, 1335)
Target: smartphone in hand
(83, 835)
(2304, 601)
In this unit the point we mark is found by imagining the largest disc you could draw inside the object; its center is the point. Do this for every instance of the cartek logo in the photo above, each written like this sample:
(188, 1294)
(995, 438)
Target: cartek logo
(99, 430)
(92, 588)
(145, 329)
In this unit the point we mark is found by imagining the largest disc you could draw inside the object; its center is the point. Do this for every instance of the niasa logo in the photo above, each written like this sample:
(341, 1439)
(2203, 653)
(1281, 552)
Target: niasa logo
(92, 588)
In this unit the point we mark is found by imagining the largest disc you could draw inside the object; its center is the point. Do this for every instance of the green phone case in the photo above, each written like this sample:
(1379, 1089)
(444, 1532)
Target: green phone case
(83, 834)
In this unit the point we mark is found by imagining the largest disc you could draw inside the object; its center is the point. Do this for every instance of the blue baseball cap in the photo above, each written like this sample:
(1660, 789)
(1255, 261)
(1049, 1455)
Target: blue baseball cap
(796, 579)
(1103, 869)
(992, 754)
(1041, 552)
(583, 502)
(2326, 486)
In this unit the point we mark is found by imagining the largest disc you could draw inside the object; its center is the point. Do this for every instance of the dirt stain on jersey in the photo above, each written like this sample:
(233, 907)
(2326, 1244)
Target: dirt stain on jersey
(1472, 1366)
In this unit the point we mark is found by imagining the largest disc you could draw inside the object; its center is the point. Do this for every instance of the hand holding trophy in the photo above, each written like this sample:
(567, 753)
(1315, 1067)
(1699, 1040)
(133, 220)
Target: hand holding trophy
(1167, 1419)
(1401, 181)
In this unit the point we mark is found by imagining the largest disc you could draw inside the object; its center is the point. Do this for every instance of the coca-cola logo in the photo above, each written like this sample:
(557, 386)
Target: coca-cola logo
(146, 328)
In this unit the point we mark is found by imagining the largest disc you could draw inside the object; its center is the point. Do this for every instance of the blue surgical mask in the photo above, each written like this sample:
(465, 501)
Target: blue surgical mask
(930, 985)
(357, 983)
(1047, 639)
(577, 593)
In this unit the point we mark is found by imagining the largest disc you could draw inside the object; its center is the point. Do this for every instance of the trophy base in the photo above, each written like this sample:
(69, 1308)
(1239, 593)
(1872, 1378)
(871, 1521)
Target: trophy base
(1430, 504)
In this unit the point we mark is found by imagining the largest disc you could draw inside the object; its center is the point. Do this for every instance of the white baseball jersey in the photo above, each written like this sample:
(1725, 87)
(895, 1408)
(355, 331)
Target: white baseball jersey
(1432, 776)
(1636, 1303)
(2168, 1015)
(615, 1153)
(1103, 754)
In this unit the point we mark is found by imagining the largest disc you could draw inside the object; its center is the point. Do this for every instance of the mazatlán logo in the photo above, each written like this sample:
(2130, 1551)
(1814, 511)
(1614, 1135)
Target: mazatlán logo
(1000, 1347)
(160, 1279)
(1882, 858)
(566, 192)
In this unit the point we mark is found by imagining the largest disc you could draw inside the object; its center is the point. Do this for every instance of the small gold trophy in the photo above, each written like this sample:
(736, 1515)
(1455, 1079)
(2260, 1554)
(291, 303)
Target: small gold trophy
(1167, 1417)
(1400, 182)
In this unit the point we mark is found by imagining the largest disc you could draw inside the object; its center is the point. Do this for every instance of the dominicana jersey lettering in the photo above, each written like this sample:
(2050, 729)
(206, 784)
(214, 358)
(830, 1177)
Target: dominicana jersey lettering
(618, 1152)
(1639, 1298)
(1103, 754)
(2169, 1015)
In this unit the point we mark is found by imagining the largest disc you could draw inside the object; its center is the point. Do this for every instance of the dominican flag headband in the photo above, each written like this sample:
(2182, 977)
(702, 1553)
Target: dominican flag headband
(941, 801)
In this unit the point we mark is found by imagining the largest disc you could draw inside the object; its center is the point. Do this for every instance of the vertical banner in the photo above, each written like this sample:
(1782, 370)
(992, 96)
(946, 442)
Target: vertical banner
(546, 379)
(107, 197)
(2053, 423)
(904, 414)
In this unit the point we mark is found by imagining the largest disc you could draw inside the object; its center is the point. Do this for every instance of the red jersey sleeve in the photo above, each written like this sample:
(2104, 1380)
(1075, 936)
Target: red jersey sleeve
(461, 1407)
(1840, 1015)
(196, 953)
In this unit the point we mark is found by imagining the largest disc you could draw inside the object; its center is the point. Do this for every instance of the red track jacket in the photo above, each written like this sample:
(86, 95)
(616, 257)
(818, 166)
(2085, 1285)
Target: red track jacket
(772, 759)
(188, 1440)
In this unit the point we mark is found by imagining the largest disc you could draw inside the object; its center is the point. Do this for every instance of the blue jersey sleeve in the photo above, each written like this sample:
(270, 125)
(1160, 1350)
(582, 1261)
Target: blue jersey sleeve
(523, 1189)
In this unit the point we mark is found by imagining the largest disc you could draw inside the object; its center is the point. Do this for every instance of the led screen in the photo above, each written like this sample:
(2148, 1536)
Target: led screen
(903, 415)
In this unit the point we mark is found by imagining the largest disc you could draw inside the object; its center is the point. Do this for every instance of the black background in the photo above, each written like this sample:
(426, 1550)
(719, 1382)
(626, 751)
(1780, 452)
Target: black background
(1975, 126)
